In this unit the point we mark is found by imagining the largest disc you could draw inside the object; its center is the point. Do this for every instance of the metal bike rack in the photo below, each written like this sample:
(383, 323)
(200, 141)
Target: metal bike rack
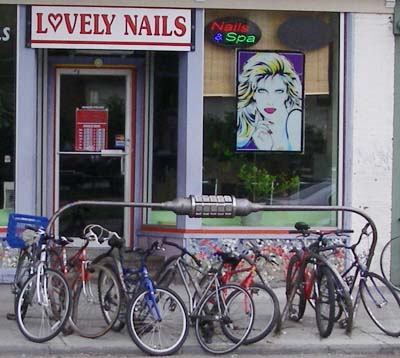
(218, 206)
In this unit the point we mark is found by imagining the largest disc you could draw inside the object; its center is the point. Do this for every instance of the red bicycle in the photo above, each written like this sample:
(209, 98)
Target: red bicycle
(96, 294)
(310, 277)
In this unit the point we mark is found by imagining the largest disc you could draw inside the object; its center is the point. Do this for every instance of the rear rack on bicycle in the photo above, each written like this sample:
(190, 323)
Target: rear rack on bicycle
(17, 225)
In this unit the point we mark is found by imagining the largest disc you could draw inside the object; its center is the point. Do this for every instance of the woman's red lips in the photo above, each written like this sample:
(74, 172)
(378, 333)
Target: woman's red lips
(270, 110)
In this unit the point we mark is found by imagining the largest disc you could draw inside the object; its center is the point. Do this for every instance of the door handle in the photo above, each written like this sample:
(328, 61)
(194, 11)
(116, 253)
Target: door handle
(112, 153)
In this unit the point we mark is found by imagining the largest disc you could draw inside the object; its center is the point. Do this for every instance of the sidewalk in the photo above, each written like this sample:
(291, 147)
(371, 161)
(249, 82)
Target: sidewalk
(295, 338)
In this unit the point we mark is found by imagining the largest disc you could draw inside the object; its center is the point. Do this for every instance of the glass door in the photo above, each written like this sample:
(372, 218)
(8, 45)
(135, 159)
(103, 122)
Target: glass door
(93, 146)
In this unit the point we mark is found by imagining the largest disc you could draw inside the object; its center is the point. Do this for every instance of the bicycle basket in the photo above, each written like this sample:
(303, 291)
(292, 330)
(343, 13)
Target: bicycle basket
(17, 225)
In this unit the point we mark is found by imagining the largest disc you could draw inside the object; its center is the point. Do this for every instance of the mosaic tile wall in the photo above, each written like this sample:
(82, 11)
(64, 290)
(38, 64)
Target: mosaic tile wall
(278, 249)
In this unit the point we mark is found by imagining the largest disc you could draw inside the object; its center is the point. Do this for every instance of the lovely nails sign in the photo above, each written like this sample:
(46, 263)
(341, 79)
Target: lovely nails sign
(114, 28)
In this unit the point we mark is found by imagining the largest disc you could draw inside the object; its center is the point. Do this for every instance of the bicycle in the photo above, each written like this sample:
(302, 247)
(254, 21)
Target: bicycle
(156, 317)
(222, 314)
(113, 259)
(311, 277)
(377, 295)
(242, 269)
(96, 296)
(43, 304)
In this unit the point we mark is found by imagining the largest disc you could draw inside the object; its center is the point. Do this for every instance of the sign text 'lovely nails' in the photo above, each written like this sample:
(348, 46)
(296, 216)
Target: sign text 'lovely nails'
(114, 28)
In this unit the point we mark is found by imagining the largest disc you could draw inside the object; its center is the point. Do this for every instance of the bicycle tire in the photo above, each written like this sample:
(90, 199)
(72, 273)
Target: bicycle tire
(165, 275)
(324, 301)
(146, 329)
(298, 305)
(381, 303)
(222, 322)
(338, 305)
(42, 321)
(385, 260)
(97, 302)
(108, 261)
(342, 294)
(21, 271)
(266, 305)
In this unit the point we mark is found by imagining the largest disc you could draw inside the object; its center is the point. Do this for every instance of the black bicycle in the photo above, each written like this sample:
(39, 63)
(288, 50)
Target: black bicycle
(377, 295)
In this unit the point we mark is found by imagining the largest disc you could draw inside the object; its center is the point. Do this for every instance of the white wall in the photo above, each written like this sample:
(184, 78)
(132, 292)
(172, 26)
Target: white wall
(370, 98)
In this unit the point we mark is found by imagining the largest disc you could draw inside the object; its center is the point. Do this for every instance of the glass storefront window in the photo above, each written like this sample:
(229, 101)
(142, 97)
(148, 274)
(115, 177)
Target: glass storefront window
(163, 135)
(8, 17)
(277, 178)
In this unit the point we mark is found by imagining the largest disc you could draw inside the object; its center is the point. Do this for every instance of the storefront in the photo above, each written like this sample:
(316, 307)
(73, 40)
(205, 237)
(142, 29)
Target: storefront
(145, 104)
(8, 32)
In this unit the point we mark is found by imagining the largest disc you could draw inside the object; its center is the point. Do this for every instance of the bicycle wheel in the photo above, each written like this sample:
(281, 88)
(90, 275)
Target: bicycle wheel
(298, 305)
(108, 261)
(158, 324)
(381, 303)
(386, 263)
(266, 305)
(338, 304)
(165, 275)
(325, 302)
(97, 302)
(22, 271)
(43, 306)
(224, 319)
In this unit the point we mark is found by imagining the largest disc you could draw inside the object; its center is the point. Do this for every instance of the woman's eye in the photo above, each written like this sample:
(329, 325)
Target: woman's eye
(279, 91)
(261, 90)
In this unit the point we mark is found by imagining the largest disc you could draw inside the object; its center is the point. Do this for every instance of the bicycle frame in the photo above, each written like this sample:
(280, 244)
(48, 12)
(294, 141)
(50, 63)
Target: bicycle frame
(183, 266)
(79, 259)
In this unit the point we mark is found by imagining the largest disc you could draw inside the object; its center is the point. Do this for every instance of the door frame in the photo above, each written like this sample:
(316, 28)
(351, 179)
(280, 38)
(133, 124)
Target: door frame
(130, 131)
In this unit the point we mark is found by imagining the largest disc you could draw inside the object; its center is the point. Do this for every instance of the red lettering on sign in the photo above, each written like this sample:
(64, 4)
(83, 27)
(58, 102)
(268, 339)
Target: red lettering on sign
(85, 24)
(180, 26)
(157, 25)
(40, 29)
(108, 23)
(129, 23)
(165, 31)
(55, 21)
(68, 24)
(229, 27)
(145, 27)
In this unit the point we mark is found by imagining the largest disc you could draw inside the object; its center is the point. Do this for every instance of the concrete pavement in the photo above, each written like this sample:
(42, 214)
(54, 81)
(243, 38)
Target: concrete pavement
(295, 338)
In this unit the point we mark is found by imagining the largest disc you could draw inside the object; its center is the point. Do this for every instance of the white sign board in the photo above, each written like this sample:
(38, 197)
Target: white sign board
(114, 28)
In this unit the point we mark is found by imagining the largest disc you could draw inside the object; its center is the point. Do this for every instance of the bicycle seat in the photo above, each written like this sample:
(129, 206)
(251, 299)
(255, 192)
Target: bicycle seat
(229, 258)
(117, 243)
(301, 226)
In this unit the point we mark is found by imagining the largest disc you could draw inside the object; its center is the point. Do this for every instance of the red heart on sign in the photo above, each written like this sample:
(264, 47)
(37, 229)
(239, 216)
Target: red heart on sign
(55, 21)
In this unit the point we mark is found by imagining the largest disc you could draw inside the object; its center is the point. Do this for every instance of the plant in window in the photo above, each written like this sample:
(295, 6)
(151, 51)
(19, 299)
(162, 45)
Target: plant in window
(263, 185)
(257, 181)
(285, 185)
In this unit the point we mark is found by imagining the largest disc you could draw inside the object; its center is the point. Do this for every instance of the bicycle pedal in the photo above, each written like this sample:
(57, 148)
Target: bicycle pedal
(11, 316)
(343, 323)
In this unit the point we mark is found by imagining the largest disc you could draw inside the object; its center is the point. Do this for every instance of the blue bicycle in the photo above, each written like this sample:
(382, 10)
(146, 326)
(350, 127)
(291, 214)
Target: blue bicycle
(156, 317)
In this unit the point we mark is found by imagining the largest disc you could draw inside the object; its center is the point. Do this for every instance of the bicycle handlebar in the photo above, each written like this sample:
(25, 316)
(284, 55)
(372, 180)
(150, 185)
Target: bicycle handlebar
(103, 235)
(184, 251)
(321, 233)
(41, 232)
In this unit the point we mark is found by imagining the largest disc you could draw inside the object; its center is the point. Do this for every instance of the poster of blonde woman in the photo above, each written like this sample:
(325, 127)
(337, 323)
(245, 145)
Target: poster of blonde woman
(270, 101)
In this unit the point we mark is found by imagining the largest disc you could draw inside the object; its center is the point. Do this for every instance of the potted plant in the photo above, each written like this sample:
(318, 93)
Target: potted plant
(262, 185)
(257, 181)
